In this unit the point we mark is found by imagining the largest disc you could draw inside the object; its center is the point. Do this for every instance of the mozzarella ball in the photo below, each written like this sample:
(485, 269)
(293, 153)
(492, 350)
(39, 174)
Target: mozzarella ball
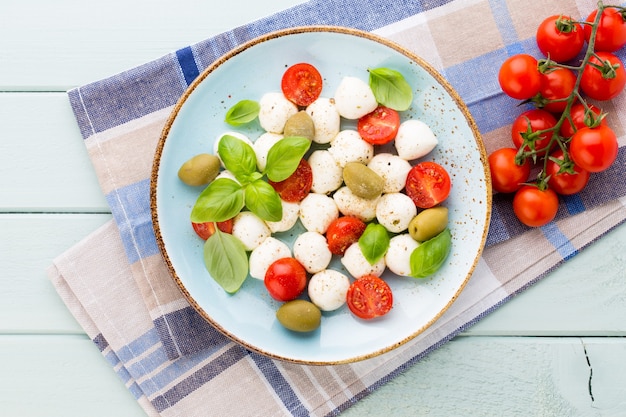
(291, 212)
(250, 229)
(398, 256)
(354, 98)
(326, 119)
(237, 135)
(317, 211)
(328, 288)
(395, 211)
(274, 111)
(348, 146)
(356, 264)
(265, 254)
(227, 174)
(414, 140)
(350, 204)
(327, 174)
(311, 250)
(262, 146)
(392, 169)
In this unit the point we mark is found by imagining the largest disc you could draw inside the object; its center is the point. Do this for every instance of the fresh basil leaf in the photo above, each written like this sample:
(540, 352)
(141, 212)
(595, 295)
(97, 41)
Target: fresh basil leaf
(243, 112)
(390, 88)
(284, 157)
(238, 157)
(264, 201)
(220, 201)
(428, 257)
(374, 242)
(226, 260)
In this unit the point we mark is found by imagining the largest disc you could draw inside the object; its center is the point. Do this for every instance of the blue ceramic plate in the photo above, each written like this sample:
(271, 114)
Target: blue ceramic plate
(248, 72)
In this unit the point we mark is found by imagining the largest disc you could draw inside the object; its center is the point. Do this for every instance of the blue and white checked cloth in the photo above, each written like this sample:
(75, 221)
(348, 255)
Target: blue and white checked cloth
(176, 364)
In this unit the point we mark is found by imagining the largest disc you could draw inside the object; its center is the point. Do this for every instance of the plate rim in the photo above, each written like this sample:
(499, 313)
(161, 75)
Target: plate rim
(278, 34)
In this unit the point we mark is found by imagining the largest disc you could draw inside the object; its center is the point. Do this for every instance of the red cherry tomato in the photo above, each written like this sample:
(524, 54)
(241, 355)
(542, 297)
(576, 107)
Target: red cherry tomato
(369, 297)
(428, 184)
(603, 87)
(611, 33)
(285, 279)
(380, 126)
(205, 230)
(519, 77)
(506, 175)
(302, 84)
(343, 232)
(557, 85)
(297, 185)
(533, 121)
(535, 207)
(579, 115)
(560, 38)
(565, 183)
(594, 149)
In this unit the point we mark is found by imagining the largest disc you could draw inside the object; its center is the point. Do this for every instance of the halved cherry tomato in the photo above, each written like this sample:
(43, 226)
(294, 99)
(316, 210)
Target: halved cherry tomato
(579, 115)
(560, 38)
(594, 149)
(611, 32)
(428, 184)
(205, 230)
(285, 279)
(302, 84)
(369, 297)
(535, 207)
(380, 126)
(598, 85)
(519, 77)
(556, 85)
(343, 232)
(297, 185)
(565, 183)
(506, 175)
(530, 121)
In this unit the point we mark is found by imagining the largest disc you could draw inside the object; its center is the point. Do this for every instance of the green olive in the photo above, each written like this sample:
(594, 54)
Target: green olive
(199, 170)
(299, 316)
(362, 181)
(300, 124)
(428, 223)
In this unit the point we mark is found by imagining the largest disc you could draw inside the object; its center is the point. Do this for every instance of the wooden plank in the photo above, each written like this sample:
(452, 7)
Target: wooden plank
(52, 47)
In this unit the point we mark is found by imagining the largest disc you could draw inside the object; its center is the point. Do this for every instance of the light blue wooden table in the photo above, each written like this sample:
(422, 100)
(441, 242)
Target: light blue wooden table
(555, 350)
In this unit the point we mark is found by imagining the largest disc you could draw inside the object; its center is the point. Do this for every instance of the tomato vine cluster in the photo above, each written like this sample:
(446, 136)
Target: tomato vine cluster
(563, 137)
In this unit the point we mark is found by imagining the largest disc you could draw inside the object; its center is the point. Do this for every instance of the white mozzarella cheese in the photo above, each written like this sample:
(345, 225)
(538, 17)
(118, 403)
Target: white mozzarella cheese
(291, 212)
(317, 211)
(311, 250)
(398, 256)
(274, 111)
(266, 254)
(250, 229)
(328, 288)
(348, 146)
(395, 211)
(327, 174)
(262, 146)
(356, 264)
(414, 140)
(350, 204)
(354, 98)
(326, 119)
(392, 169)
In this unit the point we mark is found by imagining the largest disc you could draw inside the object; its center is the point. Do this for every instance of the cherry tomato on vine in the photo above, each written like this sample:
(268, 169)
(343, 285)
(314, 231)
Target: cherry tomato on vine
(285, 279)
(594, 149)
(297, 185)
(560, 38)
(533, 120)
(611, 33)
(556, 85)
(428, 184)
(519, 77)
(506, 175)
(579, 114)
(343, 232)
(565, 183)
(369, 297)
(302, 84)
(205, 230)
(598, 85)
(380, 126)
(535, 207)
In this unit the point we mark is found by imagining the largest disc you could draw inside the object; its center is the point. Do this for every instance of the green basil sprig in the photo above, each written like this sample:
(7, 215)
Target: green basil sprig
(390, 88)
(374, 242)
(428, 257)
(226, 260)
(243, 112)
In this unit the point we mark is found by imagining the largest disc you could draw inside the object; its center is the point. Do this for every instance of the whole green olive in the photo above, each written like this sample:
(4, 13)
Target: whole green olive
(299, 316)
(300, 124)
(199, 170)
(428, 223)
(362, 181)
